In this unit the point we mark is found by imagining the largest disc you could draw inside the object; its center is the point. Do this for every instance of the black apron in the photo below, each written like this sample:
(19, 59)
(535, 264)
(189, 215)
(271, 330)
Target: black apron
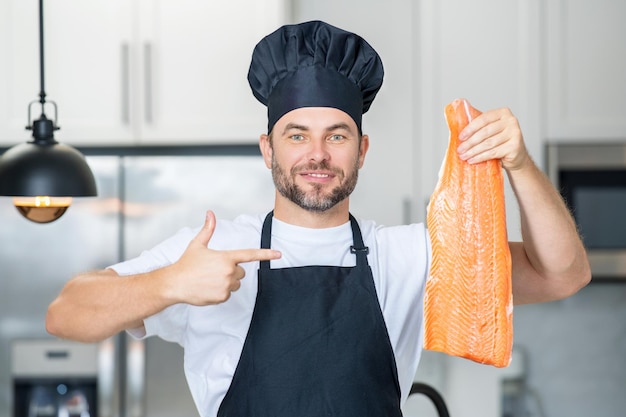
(317, 344)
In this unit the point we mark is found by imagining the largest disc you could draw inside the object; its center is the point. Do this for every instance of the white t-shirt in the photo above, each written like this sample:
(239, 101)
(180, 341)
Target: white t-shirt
(213, 336)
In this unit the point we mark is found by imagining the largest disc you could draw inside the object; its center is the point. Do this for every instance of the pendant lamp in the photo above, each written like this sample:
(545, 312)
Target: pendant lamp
(42, 175)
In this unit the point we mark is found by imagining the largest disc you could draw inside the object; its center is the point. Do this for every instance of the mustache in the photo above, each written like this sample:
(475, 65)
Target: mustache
(315, 166)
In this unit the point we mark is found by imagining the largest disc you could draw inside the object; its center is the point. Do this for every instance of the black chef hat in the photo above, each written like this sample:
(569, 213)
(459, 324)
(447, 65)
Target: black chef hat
(314, 64)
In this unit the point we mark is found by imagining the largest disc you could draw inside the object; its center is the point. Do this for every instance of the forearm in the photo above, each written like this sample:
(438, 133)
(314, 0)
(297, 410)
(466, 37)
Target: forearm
(556, 264)
(96, 305)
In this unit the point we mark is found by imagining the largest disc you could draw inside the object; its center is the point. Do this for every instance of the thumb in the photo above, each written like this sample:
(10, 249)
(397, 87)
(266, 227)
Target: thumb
(206, 232)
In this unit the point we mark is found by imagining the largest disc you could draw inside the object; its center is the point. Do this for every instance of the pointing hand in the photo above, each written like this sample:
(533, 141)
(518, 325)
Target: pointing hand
(204, 276)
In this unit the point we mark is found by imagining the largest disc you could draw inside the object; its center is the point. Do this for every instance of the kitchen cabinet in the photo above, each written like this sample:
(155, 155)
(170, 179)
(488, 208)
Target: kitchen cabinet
(585, 70)
(138, 71)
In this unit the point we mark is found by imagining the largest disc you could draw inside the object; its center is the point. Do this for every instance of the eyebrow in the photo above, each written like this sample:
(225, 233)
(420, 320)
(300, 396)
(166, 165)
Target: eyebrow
(336, 126)
(294, 126)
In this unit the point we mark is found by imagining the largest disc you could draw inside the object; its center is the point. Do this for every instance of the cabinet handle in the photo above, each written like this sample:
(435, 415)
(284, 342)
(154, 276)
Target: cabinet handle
(406, 210)
(147, 56)
(125, 84)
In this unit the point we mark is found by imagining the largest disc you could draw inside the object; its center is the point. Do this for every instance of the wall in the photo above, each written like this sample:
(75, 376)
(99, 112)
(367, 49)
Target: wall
(576, 348)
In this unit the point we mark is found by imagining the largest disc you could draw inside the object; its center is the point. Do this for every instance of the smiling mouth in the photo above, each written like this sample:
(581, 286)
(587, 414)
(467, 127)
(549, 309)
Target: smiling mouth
(317, 176)
(317, 173)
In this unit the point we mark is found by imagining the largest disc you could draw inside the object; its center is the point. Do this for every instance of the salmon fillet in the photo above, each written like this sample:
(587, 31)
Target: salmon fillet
(468, 305)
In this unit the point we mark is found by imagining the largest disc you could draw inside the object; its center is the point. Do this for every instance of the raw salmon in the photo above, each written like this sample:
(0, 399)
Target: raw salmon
(468, 306)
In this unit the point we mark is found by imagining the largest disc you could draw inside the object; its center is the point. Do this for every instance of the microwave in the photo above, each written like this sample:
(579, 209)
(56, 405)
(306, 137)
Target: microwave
(592, 180)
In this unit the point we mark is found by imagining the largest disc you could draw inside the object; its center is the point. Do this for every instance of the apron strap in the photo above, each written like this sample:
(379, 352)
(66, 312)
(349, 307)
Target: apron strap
(358, 247)
(266, 237)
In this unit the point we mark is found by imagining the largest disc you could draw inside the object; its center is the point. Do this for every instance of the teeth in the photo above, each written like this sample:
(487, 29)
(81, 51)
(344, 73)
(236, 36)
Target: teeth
(319, 175)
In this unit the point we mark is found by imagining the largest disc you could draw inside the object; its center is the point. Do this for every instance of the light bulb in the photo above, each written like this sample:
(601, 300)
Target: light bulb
(42, 209)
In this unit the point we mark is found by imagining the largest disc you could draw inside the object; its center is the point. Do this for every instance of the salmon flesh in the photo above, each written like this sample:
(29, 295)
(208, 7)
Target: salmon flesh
(468, 305)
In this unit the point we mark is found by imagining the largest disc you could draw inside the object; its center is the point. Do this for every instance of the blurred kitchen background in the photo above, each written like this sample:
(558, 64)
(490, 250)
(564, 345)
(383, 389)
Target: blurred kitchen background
(155, 94)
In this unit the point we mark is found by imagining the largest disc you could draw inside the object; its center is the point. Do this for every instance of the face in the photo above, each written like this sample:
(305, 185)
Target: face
(315, 155)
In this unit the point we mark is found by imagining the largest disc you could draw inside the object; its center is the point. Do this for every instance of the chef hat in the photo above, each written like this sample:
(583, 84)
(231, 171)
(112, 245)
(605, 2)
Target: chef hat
(314, 64)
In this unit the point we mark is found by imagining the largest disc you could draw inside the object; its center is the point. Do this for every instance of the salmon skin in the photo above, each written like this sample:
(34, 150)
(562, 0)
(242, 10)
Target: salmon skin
(468, 304)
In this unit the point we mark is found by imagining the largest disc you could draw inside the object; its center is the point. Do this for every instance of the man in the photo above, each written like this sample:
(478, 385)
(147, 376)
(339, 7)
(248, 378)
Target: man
(332, 326)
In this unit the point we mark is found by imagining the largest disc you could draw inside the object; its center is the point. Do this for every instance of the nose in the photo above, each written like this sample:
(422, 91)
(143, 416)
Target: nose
(318, 151)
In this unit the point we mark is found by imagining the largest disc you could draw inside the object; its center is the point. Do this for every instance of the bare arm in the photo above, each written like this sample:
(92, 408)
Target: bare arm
(551, 262)
(97, 305)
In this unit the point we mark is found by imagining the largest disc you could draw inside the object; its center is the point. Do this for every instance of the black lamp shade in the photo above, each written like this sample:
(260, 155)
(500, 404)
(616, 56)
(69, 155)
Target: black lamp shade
(46, 168)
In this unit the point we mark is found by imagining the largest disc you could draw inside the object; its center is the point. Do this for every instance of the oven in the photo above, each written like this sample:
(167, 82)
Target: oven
(54, 378)
(592, 180)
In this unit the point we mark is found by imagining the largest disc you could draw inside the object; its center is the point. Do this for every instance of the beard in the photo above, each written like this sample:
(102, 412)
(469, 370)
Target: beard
(317, 199)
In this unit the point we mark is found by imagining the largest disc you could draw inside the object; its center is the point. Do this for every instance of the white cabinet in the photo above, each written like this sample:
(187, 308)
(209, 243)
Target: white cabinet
(586, 69)
(136, 71)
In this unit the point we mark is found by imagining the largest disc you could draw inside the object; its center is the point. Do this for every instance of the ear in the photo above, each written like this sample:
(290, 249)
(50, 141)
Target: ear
(266, 149)
(365, 145)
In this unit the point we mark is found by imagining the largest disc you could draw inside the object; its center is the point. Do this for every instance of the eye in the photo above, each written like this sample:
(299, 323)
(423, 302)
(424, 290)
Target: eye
(336, 138)
(297, 137)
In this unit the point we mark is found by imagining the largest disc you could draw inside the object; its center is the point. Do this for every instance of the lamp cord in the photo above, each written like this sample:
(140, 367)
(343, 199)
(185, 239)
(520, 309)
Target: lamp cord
(42, 93)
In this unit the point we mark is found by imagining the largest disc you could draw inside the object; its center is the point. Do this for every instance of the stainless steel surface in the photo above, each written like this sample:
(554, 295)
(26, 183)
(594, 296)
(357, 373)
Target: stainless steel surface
(160, 195)
(51, 357)
(136, 377)
(608, 264)
(108, 403)
(592, 157)
(586, 156)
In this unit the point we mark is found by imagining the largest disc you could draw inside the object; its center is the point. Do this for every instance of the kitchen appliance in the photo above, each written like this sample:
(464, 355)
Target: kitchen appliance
(592, 180)
(145, 195)
(54, 378)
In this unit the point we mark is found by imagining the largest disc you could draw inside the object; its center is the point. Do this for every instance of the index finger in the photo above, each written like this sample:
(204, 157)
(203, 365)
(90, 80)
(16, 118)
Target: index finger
(251, 255)
(478, 123)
